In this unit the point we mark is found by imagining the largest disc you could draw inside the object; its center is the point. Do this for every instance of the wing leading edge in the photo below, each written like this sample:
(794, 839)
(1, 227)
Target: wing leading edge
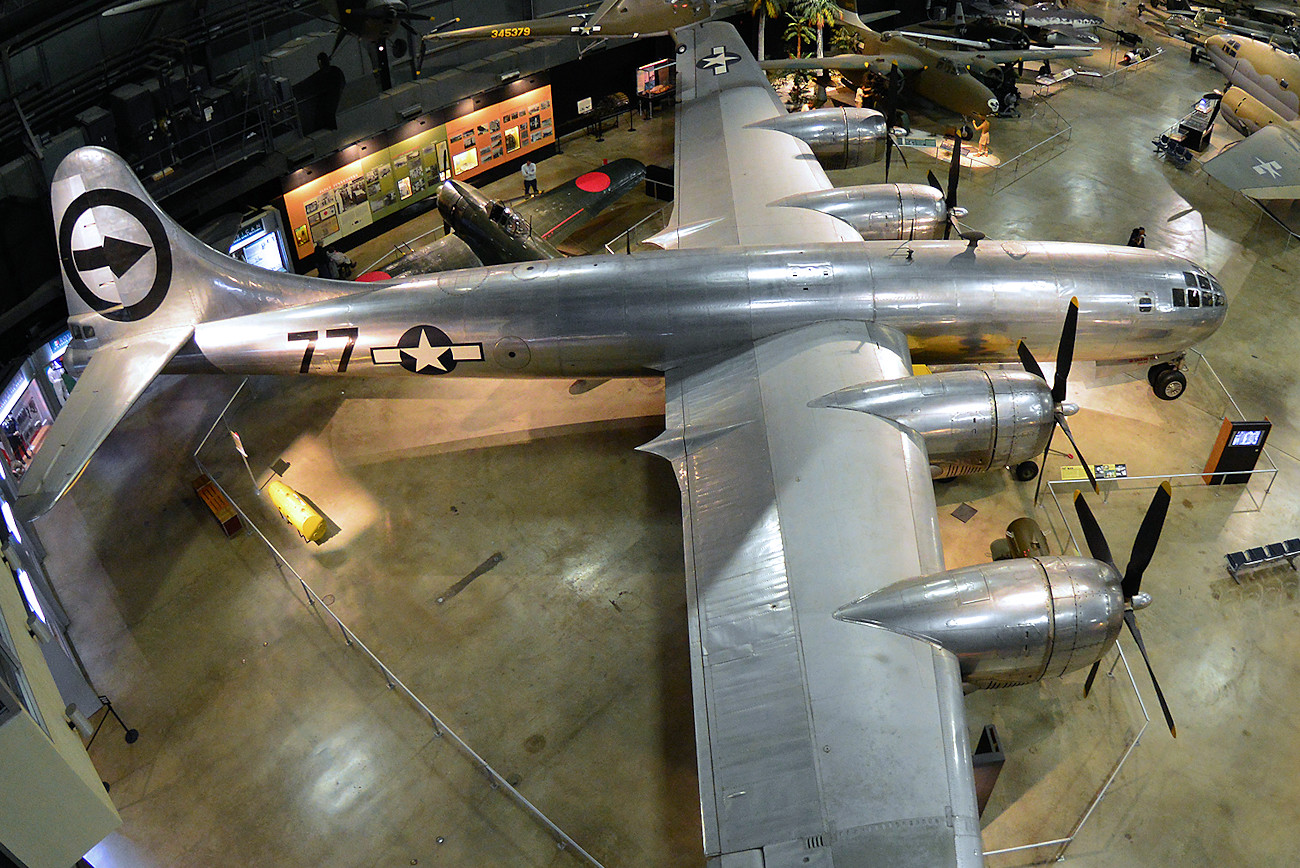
(817, 740)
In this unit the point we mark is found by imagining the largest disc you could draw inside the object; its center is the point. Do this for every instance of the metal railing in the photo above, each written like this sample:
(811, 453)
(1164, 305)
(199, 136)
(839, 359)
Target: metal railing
(1063, 844)
(440, 729)
(639, 231)
(1058, 132)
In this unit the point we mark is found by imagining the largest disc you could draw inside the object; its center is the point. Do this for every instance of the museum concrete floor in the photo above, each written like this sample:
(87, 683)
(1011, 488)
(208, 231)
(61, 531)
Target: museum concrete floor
(268, 741)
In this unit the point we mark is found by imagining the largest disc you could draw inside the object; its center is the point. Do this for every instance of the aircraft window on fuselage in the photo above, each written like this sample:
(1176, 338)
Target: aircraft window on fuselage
(1144, 304)
(88, 332)
(1189, 278)
(1179, 298)
(76, 332)
(1193, 298)
(1203, 280)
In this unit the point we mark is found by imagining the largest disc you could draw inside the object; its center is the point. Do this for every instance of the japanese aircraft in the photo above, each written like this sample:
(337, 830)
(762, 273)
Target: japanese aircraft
(1262, 104)
(830, 726)
(957, 79)
(491, 232)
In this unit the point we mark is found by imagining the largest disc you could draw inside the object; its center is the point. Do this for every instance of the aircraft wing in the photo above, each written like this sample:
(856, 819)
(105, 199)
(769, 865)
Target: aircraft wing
(533, 28)
(1016, 55)
(562, 210)
(818, 741)
(1266, 165)
(728, 173)
(878, 63)
(115, 377)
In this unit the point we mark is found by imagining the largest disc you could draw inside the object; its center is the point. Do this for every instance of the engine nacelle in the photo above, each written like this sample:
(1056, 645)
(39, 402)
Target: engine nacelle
(840, 138)
(881, 212)
(1245, 114)
(971, 420)
(1009, 622)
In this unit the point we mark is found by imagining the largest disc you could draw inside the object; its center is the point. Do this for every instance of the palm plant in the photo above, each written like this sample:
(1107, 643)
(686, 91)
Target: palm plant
(764, 9)
(797, 30)
(819, 14)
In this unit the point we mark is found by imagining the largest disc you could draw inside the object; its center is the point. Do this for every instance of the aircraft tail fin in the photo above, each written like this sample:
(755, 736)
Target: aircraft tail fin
(137, 284)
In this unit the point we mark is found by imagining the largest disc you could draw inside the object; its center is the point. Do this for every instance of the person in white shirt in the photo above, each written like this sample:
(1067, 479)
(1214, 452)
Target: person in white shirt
(529, 171)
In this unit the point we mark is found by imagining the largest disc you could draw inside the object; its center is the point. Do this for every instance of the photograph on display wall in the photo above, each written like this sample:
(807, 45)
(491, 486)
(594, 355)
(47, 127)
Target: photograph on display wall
(512, 139)
(302, 235)
(464, 161)
(324, 229)
(311, 206)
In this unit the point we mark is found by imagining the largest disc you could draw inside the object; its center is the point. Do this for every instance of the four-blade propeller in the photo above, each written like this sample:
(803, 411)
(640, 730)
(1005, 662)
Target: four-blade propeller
(950, 195)
(1144, 547)
(1060, 409)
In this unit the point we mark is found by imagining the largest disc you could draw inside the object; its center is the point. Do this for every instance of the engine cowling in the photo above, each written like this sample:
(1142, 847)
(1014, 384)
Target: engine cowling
(1246, 114)
(970, 420)
(1009, 622)
(881, 212)
(840, 138)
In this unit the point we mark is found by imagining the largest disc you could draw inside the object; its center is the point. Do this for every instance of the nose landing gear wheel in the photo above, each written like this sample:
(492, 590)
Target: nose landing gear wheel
(1169, 384)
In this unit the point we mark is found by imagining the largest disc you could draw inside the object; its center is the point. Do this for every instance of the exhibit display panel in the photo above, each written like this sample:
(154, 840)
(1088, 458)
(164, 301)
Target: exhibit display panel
(380, 177)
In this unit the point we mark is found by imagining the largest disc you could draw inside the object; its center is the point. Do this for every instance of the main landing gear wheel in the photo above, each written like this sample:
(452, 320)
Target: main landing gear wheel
(1026, 470)
(1169, 384)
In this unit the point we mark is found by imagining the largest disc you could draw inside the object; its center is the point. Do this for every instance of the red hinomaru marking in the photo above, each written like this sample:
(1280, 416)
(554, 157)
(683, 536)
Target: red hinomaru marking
(593, 182)
(374, 276)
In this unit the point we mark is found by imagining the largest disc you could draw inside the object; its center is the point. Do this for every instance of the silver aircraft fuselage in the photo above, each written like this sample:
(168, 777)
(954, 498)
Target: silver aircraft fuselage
(627, 315)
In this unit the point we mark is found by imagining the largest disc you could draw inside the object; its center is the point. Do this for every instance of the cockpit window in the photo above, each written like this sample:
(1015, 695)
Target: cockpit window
(88, 332)
(76, 332)
(1180, 299)
(1189, 278)
(1203, 281)
(1193, 298)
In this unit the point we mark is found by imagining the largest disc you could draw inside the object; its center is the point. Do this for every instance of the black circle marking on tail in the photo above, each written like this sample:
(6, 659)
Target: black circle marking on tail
(141, 211)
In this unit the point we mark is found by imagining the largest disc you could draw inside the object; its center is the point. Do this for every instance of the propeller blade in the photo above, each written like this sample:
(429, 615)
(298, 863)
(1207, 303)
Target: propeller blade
(954, 173)
(1131, 620)
(1065, 350)
(1029, 363)
(1092, 674)
(1096, 540)
(889, 150)
(934, 182)
(1144, 545)
(1087, 468)
(1038, 487)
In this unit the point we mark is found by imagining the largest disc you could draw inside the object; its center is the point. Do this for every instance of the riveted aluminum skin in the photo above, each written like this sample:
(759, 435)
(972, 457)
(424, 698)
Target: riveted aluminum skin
(1009, 622)
(840, 138)
(881, 212)
(602, 316)
(970, 420)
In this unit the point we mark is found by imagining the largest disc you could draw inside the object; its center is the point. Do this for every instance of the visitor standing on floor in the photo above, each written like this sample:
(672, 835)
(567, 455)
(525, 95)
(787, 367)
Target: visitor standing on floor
(529, 171)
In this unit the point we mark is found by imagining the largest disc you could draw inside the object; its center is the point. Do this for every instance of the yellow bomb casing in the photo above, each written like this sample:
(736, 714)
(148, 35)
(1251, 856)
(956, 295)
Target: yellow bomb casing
(309, 523)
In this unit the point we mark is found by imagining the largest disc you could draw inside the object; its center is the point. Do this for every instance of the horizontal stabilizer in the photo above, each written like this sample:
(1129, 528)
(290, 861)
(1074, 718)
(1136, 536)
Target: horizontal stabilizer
(1265, 166)
(117, 374)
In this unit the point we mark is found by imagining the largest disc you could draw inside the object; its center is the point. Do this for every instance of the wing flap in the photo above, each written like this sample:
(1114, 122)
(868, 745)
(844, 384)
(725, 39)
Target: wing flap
(117, 374)
(810, 729)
